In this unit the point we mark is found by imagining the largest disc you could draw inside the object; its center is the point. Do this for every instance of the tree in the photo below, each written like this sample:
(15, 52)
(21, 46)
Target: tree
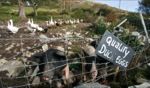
(144, 6)
(21, 8)
(35, 5)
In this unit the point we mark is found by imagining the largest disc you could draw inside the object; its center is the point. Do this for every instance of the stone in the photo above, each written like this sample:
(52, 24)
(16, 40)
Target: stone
(45, 47)
(143, 85)
(36, 81)
(148, 64)
(44, 38)
(141, 80)
(9, 47)
(69, 43)
(2, 61)
(92, 85)
(61, 48)
(89, 50)
(14, 68)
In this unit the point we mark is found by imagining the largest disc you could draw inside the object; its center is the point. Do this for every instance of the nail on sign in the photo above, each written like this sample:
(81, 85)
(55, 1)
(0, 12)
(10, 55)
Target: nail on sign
(114, 50)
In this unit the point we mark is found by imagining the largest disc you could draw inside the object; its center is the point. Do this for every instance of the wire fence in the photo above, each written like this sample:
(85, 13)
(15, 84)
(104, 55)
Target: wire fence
(25, 78)
(24, 45)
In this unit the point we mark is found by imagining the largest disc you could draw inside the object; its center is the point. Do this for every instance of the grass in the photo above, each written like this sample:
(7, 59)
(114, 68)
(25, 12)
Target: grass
(76, 48)
(8, 12)
(44, 13)
(65, 27)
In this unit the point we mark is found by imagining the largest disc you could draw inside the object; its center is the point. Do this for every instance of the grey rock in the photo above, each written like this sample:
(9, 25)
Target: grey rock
(45, 47)
(143, 85)
(2, 61)
(92, 85)
(44, 38)
(69, 43)
(14, 68)
(141, 80)
(28, 47)
(36, 81)
(61, 48)
(9, 47)
(89, 50)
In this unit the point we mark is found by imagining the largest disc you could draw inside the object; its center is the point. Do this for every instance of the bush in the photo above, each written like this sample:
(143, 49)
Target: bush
(135, 21)
(111, 17)
(79, 14)
(100, 27)
(104, 12)
(86, 5)
(64, 12)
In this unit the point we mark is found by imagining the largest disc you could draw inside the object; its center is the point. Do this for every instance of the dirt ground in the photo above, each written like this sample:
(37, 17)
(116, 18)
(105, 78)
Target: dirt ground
(15, 46)
(12, 44)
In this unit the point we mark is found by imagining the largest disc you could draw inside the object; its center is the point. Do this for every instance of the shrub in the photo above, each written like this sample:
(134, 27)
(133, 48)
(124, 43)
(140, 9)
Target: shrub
(79, 14)
(86, 5)
(135, 21)
(103, 11)
(64, 12)
(111, 17)
(99, 26)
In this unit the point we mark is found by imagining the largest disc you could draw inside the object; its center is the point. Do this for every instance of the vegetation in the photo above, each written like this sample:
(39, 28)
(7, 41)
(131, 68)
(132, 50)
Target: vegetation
(80, 10)
(87, 11)
(144, 6)
(103, 18)
(78, 13)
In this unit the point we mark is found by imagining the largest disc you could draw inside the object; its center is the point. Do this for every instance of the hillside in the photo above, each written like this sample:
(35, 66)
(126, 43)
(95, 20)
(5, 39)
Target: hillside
(57, 9)
(75, 28)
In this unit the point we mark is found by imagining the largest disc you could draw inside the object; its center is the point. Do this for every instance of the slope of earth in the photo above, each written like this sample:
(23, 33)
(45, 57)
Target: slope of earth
(11, 45)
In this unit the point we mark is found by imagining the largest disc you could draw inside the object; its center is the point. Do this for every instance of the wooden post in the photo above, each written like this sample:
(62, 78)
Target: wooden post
(145, 30)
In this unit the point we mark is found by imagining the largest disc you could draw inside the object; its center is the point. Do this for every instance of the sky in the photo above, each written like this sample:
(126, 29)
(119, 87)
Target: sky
(129, 5)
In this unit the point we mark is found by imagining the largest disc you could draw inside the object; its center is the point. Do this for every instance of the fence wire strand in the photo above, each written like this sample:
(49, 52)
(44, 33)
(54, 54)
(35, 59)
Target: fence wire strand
(75, 61)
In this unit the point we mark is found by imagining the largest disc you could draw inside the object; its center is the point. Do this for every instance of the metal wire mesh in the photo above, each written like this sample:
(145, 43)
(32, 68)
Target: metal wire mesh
(25, 77)
(30, 43)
